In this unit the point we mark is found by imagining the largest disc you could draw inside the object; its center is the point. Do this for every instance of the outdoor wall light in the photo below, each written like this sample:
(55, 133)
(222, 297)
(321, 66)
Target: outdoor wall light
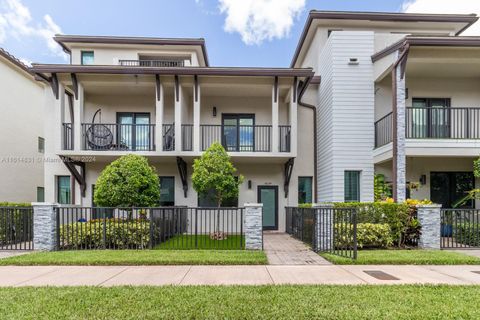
(249, 184)
(353, 61)
(406, 93)
(423, 179)
(214, 111)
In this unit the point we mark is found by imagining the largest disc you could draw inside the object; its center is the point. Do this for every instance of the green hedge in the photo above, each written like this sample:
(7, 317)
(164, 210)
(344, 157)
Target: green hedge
(15, 204)
(404, 228)
(120, 234)
(16, 225)
(369, 235)
(467, 234)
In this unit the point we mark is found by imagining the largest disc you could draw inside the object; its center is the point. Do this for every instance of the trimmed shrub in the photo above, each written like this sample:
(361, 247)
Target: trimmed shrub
(467, 234)
(111, 233)
(369, 235)
(400, 217)
(16, 224)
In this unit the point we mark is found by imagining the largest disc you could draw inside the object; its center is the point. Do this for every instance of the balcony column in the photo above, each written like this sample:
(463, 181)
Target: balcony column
(196, 116)
(59, 117)
(159, 106)
(78, 112)
(275, 134)
(178, 114)
(293, 120)
(399, 156)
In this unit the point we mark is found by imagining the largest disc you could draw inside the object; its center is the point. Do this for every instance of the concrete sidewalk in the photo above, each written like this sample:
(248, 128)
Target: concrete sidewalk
(236, 275)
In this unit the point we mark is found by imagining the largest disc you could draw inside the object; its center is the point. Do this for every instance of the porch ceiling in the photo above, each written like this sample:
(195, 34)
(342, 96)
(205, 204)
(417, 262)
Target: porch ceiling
(442, 62)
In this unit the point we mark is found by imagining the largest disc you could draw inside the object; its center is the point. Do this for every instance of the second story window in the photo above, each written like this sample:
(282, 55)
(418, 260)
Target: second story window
(41, 145)
(87, 57)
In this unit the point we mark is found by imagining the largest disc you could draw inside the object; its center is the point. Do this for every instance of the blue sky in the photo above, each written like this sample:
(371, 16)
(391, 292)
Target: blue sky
(25, 30)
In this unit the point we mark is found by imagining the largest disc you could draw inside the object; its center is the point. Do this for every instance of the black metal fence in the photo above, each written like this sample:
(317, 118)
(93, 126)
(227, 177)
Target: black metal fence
(187, 137)
(67, 136)
(460, 229)
(285, 135)
(241, 138)
(168, 134)
(332, 230)
(16, 228)
(152, 63)
(383, 130)
(114, 136)
(86, 228)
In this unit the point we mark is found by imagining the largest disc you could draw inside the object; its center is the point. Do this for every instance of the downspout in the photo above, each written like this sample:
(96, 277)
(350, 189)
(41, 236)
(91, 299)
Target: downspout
(303, 87)
(402, 59)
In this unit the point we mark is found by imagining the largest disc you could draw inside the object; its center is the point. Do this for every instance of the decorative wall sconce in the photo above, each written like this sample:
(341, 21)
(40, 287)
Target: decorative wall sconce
(406, 93)
(214, 111)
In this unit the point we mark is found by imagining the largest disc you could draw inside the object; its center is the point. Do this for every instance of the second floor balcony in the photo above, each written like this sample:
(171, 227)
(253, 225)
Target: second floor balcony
(432, 123)
(141, 137)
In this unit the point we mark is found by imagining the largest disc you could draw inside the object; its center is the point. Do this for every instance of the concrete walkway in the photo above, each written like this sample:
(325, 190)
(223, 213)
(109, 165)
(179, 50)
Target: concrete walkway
(236, 275)
(282, 249)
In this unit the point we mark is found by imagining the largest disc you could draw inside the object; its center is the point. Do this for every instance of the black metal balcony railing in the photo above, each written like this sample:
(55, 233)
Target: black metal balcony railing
(255, 138)
(187, 137)
(383, 130)
(168, 134)
(285, 135)
(128, 137)
(67, 136)
(432, 123)
(152, 63)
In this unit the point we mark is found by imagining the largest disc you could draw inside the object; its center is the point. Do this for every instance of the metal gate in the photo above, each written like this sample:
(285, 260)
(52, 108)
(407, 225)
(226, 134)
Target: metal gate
(332, 230)
(16, 228)
(460, 229)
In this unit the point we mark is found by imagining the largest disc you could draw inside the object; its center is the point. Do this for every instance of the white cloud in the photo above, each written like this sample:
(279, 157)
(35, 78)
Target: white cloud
(16, 21)
(446, 6)
(260, 20)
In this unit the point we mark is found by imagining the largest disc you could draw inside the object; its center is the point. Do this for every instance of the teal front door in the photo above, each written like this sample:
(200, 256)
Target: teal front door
(268, 196)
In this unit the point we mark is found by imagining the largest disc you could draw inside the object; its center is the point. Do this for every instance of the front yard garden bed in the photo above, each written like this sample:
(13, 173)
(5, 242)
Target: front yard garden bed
(414, 257)
(246, 302)
(139, 257)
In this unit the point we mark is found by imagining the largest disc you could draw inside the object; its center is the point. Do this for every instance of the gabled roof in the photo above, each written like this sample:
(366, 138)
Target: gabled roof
(465, 20)
(427, 42)
(65, 40)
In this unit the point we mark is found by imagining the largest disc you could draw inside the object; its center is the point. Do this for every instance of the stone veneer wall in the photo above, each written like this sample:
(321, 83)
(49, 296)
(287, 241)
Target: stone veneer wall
(253, 226)
(430, 220)
(44, 226)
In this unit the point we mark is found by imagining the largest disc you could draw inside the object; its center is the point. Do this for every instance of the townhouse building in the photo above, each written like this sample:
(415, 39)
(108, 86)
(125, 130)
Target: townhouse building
(366, 93)
(396, 94)
(21, 132)
(160, 98)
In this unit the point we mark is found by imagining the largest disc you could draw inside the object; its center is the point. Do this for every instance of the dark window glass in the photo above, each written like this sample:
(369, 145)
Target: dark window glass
(41, 145)
(208, 200)
(167, 191)
(87, 57)
(238, 132)
(40, 194)
(305, 189)
(447, 188)
(64, 190)
(352, 186)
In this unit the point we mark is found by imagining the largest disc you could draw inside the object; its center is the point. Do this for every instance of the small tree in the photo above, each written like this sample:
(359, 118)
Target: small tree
(127, 182)
(214, 173)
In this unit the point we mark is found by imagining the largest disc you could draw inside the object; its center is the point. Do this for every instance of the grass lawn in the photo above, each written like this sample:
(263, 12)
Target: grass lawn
(233, 242)
(139, 257)
(247, 302)
(418, 257)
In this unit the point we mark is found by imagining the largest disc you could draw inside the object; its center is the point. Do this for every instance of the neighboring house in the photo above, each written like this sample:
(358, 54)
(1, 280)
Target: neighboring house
(21, 132)
(160, 98)
(421, 129)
